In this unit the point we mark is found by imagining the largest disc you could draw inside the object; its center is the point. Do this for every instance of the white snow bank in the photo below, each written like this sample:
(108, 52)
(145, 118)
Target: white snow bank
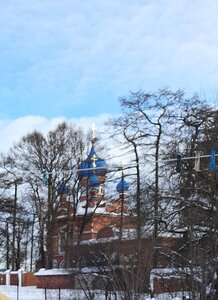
(32, 293)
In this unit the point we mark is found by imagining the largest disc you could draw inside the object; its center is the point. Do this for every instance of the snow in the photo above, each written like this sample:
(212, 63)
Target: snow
(100, 240)
(44, 272)
(33, 293)
(55, 272)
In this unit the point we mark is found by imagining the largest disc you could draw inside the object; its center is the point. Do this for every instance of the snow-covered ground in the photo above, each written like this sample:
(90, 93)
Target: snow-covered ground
(32, 293)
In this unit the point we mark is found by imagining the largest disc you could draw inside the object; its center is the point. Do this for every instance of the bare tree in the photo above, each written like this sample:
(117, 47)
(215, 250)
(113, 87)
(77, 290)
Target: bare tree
(53, 157)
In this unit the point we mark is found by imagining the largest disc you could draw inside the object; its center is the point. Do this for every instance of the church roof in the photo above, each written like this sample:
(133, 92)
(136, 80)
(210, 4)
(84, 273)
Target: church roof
(93, 162)
(122, 186)
(93, 180)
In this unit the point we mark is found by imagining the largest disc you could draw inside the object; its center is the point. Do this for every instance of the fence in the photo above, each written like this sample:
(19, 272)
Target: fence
(18, 278)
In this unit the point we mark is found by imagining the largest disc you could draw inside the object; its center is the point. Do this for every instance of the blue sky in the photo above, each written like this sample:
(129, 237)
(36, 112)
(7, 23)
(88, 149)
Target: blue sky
(74, 59)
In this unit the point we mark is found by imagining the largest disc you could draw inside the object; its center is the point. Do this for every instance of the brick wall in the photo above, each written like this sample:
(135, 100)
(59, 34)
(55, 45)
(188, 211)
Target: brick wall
(167, 285)
(2, 279)
(56, 282)
(29, 279)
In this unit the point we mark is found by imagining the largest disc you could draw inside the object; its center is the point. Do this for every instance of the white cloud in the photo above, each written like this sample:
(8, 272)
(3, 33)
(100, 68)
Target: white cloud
(11, 131)
(63, 56)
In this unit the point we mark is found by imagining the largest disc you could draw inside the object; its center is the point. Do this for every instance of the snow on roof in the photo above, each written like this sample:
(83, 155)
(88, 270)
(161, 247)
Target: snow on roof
(82, 210)
(171, 234)
(90, 270)
(162, 272)
(64, 272)
(101, 240)
(171, 271)
(52, 272)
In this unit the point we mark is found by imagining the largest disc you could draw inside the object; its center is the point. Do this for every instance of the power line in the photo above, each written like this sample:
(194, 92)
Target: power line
(115, 167)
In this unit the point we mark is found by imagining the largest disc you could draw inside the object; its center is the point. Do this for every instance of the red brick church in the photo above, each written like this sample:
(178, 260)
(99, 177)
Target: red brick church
(91, 219)
(90, 229)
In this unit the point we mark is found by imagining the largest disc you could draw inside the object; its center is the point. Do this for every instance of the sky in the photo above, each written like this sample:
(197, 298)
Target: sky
(72, 60)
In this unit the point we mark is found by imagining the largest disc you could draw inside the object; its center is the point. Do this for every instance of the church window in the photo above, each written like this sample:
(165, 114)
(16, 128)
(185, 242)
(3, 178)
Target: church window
(62, 241)
(105, 232)
(101, 190)
(55, 263)
(62, 264)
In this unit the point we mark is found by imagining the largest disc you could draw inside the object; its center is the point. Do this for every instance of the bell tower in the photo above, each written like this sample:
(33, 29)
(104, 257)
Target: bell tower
(92, 172)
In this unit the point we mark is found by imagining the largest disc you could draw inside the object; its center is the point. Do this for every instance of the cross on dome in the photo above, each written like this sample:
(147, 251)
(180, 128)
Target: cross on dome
(94, 159)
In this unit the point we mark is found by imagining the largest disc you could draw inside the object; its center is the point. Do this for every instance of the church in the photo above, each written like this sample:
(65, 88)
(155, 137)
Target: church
(96, 237)
(91, 219)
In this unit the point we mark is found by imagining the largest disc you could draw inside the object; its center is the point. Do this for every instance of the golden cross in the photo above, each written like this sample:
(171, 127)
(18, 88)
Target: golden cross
(94, 158)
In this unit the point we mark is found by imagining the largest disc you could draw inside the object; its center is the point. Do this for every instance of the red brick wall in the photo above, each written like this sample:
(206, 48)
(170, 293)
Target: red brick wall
(2, 279)
(14, 279)
(166, 285)
(29, 279)
(56, 282)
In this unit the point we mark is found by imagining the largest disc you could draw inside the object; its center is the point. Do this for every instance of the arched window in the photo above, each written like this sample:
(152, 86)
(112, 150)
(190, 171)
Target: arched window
(101, 189)
(62, 242)
(105, 232)
(55, 263)
(62, 264)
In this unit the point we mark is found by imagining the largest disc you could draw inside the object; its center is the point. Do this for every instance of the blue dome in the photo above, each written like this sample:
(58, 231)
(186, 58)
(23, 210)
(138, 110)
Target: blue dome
(93, 161)
(91, 153)
(93, 181)
(83, 169)
(101, 164)
(62, 188)
(122, 186)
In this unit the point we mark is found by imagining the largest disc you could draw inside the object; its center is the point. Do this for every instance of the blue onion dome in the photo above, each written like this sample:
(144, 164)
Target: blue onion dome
(62, 188)
(83, 169)
(101, 167)
(93, 161)
(122, 186)
(93, 181)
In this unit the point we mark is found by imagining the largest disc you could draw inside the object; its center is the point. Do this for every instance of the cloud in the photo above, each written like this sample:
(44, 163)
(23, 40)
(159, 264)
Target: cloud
(67, 57)
(11, 131)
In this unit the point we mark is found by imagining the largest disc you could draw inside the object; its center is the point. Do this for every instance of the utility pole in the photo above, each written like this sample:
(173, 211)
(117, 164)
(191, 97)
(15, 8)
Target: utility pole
(14, 226)
(7, 246)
